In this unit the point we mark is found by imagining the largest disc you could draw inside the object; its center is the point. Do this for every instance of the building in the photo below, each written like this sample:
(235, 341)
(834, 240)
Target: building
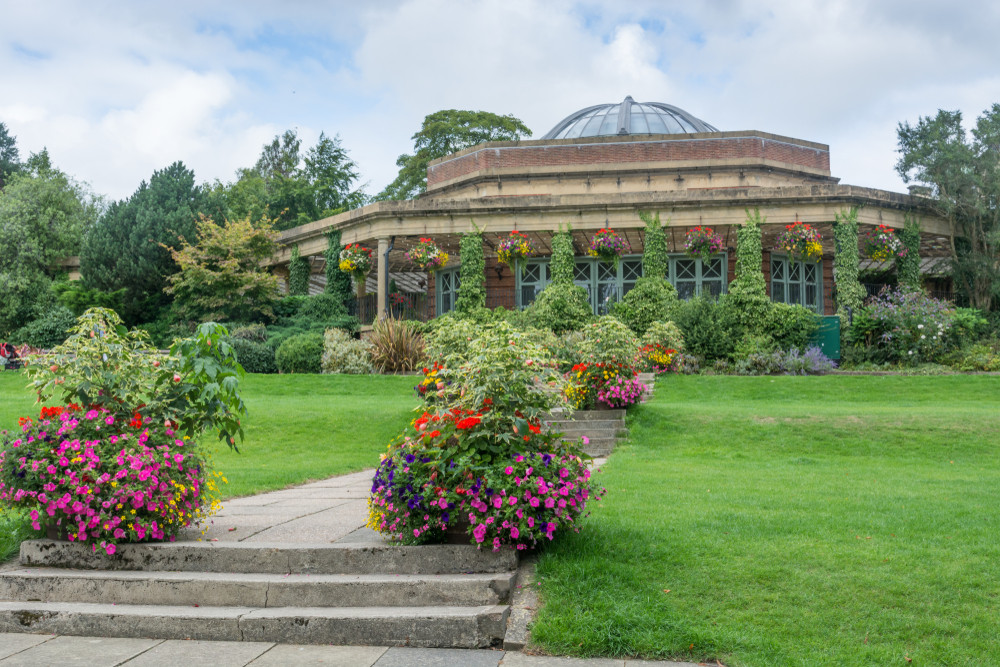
(598, 168)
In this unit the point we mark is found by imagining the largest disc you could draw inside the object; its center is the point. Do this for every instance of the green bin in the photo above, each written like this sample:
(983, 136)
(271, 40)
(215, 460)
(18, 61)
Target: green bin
(827, 337)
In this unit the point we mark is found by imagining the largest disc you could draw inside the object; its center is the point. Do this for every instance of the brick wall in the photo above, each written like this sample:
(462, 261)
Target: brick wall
(759, 148)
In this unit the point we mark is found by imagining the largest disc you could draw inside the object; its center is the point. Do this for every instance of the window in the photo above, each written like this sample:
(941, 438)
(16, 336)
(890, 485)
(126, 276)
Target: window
(796, 283)
(604, 283)
(531, 281)
(447, 289)
(693, 277)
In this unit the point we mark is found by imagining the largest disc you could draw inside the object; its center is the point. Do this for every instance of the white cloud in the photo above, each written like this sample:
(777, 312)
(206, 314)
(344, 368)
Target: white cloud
(116, 90)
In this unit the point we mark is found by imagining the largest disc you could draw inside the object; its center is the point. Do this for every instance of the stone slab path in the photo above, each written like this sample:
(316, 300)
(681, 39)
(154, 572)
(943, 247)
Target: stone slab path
(50, 650)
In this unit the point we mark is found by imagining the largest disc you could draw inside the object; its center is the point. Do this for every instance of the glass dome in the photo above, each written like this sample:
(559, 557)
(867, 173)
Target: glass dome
(628, 117)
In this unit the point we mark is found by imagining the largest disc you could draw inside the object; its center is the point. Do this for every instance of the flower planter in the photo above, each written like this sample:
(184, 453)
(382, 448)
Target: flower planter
(458, 531)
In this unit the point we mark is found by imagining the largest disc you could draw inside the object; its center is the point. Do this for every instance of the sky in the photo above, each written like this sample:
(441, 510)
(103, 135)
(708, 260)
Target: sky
(116, 90)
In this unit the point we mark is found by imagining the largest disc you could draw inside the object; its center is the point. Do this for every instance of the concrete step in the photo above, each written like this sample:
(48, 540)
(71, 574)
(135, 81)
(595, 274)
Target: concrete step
(278, 558)
(586, 428)
(255, 590)
(583, 415)
(441, 627)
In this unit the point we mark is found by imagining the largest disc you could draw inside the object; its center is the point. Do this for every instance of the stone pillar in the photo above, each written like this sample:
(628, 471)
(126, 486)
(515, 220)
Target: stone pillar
(383, 275)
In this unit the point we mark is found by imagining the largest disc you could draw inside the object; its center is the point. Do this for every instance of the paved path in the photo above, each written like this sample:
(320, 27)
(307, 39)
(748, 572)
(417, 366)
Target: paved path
(332, 510)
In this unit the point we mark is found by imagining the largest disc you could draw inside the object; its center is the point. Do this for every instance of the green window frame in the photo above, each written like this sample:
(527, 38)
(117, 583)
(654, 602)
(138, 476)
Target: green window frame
(799, 283)
(446, 289)
(534, 277)
(692, 276)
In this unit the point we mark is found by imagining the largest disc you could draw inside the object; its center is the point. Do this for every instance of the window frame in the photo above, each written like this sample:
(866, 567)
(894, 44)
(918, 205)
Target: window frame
(439, 291)
(699, 279)
(786, 282)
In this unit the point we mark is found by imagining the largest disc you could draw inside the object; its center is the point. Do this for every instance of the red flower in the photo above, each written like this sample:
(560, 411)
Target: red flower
(468, 422)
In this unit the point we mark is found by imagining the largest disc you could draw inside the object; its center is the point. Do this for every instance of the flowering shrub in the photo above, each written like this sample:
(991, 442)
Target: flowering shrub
(657, 358)
(536, 489)
(478, 460)
(608, 246)
(342, 353)
(426, 255)
(702, 242)
(516, 246)
(621, 392)
(356, 260)
(666, 334)
(793, 362)
(881, 243)
(801, 242)
(608, 340)
(105, 481)
(587, 381)
(118, 469)
(902, 325)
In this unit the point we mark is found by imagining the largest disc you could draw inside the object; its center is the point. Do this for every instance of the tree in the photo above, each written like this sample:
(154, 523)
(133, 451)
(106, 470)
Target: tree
(10, 162)
(221, 277)
(291, 188)
(43, 213)
(964, 177)
(127, 248)
(443, 133)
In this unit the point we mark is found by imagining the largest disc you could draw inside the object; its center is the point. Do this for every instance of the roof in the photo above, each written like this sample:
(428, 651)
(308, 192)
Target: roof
(626, 118)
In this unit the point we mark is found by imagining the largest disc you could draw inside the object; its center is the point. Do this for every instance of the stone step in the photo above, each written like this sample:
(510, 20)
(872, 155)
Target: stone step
(586, 428)
(584, 415)
(277, 558)
(433, 627)
(254, 590)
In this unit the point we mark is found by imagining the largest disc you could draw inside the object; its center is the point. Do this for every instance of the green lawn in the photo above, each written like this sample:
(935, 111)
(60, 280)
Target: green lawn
(299, 428)
(794, 521)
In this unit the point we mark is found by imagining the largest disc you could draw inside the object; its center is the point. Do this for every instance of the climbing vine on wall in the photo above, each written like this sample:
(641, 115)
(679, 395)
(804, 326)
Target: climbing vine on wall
(748, 291)
(850, 292)
(908, 266)
(563, 261)
(654, 253)
(338, 283)
(298, 274)
(472, 280)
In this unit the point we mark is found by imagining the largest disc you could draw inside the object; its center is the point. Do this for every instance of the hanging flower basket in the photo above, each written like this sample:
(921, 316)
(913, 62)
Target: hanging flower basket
(802, 242)
(882, 244)
(427, 256)
(356, 260)
(702, 242)
(513, 248)
(608, 246)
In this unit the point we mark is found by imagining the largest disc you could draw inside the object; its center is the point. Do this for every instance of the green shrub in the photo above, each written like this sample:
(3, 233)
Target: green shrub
(395, 346)
(666, 334)
(850, 292)
(655, 261)
(301, 353)
(472, 280)
(748, 292)
(651, 300)
(566, 349)
(73, 295)
(791, 326)
(253, 332)
(609, 341)
(752, 345)
(254, 356)
(561, 307)
(276, 335)
(707, 325)
(447, 342)
(344, 354)
(903, 326)
(981, 357)
(321, 308)
(288, 306)
(47, 331)
(968, 325)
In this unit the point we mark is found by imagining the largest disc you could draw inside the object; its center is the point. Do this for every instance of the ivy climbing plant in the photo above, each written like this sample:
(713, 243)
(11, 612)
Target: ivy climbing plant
(472, 280)
(850, 292)
(298, 274)
(338, 283)
(748, 291)
(563, 261)
(908, 266)
(654, 254)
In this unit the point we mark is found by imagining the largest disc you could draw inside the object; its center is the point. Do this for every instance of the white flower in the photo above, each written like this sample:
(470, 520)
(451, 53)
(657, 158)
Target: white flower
(922, 336)
(920, 326)
(911, 352)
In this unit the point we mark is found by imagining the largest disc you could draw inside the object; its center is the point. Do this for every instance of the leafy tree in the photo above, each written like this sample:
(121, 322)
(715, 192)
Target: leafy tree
(220, 275)
(43, 213)
(293, 188)
(9, 157)
(443, 133)
(128, 247)
(964, 176)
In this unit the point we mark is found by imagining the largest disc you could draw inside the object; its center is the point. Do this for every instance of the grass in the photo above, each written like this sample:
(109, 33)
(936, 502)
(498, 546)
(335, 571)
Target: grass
(299, 428)
(791, 521)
